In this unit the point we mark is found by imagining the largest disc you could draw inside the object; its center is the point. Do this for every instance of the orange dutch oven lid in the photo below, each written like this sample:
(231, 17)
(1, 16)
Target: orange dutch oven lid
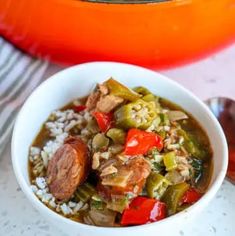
(156, 34)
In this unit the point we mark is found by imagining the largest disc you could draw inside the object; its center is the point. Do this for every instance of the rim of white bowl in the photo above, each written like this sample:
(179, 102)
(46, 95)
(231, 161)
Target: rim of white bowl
(43, 208)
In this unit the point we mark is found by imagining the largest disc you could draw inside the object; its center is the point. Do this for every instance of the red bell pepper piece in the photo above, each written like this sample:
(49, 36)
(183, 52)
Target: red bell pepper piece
(143, 210)
(191, 196)
(140, 142)
(79, 108)
(104, 120)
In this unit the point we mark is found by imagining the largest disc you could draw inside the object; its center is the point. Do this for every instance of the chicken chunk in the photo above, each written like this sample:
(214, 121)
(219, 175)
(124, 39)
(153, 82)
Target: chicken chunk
(92, 100)
(108, 103)
(103, 89)
(102, 101)
(129, 179)
(68, 168)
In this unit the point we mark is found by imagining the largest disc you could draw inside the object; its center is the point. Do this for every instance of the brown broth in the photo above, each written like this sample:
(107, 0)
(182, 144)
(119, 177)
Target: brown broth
(193, 127)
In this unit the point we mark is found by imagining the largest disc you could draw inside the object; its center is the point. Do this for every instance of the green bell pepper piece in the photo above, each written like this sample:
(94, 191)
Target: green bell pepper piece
(169, 160)
(117, 135)
(118, 204)
(173, 196)
(120, 90)
(156, 185)
(191, 145)
(138, 114)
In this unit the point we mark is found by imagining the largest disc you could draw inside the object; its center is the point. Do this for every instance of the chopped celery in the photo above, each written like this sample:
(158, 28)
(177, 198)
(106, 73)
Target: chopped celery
(164, 119)
(169, 160)
(156, 185)
(174, 177)
(191, 144)
(118, 204)
(85, 192)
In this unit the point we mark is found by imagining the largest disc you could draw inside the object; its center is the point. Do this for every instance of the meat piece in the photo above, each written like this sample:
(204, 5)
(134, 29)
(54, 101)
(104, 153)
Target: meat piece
(103, 89)
(101, 100)
(141, 170)
(109, 170)
(96, 160)
(68, 168)
(108, 103)
(130, 178)
(92, 100)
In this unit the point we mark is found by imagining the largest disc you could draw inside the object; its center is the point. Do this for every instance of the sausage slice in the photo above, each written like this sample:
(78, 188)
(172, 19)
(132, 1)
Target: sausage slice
(68, 168)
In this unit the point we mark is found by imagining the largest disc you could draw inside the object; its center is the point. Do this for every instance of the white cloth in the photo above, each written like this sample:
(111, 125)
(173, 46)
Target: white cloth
(19, 75)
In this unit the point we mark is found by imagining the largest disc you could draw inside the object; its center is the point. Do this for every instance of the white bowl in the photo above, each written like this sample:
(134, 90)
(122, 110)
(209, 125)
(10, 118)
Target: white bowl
(78, 81)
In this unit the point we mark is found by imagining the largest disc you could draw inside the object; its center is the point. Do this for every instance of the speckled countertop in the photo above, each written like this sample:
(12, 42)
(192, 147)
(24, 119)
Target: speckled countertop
(207, 78)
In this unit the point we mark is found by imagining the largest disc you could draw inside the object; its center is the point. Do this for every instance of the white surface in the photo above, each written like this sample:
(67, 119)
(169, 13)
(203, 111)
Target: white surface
(66, 86)
(213, 76)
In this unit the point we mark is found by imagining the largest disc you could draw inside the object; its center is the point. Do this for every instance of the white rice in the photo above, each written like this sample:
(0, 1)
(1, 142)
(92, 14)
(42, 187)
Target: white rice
(52, 203)
(41, 182)
(78, 207)
(42, 192)
(72, 204)
(34, 151)
(52, 146)
(66, 210)
(84, 207)
(46, 197)
(59, 130)
(34, 188)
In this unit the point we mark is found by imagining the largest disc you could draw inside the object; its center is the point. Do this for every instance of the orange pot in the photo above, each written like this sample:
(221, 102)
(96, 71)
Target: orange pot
(152, 34)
